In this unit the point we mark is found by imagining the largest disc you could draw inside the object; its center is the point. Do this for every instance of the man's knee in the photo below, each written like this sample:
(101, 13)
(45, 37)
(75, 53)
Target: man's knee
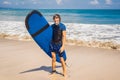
(61, 59)
(53, 57)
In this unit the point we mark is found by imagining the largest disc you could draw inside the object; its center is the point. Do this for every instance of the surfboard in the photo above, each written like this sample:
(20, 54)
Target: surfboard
(41, 32)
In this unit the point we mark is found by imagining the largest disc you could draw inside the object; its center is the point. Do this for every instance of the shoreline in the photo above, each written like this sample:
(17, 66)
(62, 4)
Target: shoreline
(94, 44)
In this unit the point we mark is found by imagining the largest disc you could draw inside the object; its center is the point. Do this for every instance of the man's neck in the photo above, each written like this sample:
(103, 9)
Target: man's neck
(57, 23)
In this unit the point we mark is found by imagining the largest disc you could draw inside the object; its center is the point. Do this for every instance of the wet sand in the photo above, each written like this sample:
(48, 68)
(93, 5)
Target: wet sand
(24, 60)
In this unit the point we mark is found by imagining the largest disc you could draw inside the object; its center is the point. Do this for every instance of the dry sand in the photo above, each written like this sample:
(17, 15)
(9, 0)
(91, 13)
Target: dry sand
(24, 60)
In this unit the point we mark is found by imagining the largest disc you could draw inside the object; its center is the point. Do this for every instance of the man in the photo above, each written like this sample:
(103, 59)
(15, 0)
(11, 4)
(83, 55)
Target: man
(58, 42)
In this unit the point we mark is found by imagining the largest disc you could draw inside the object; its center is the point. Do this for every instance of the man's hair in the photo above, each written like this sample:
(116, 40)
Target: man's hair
(56, 15)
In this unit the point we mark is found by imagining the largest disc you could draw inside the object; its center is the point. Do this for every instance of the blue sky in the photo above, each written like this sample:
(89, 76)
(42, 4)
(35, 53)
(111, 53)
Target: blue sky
(61, 4)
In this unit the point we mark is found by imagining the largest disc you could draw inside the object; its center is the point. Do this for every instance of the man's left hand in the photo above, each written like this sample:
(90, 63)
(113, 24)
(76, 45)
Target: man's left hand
(61, 49)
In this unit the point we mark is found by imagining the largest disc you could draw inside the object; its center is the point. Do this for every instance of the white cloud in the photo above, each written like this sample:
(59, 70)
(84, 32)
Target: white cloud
(108, 1)
(7, 2)
(16, 3)
(58, 1)
(23, 3)
(34, 2)
(37, 1)
(94, 2)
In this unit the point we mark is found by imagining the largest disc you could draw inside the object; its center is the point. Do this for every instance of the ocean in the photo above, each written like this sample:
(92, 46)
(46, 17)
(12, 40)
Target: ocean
(84, 16)
(95, 27)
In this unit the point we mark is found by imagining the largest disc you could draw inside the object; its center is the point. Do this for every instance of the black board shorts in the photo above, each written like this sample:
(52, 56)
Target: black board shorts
(55, 47)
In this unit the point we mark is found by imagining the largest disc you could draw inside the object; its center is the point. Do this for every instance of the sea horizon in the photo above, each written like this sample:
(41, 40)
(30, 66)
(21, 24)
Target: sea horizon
(87, 16)
(62, 8)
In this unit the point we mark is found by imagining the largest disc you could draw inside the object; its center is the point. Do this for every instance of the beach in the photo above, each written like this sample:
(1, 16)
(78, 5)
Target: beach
(24, 60)
(92, 46)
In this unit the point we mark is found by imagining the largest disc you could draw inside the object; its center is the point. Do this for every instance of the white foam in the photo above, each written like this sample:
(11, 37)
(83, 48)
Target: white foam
(12, 27)
(75, 31)
(93, 32)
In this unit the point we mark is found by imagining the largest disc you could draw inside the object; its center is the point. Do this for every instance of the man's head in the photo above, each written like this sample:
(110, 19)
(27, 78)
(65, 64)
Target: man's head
(57, 19)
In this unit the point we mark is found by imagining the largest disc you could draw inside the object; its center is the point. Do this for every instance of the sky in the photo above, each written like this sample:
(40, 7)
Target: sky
(61, 4)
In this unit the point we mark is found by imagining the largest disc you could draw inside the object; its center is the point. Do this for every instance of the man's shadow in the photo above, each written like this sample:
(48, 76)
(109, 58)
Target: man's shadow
(44, 68)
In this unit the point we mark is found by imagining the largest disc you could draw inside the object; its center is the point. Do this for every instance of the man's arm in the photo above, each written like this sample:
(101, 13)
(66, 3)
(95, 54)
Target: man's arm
(63, 38)
(63, 41)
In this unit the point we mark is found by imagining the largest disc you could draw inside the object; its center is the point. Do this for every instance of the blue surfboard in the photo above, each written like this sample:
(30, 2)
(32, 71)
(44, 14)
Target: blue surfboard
(41, 32)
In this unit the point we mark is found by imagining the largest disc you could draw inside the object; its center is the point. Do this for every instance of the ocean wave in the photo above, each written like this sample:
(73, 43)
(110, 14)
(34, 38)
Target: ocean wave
(91, 35)
(94, 32)
(13, 30)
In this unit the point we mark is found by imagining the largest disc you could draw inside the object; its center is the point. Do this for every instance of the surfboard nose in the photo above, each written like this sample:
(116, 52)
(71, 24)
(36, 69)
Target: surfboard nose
(28, 16)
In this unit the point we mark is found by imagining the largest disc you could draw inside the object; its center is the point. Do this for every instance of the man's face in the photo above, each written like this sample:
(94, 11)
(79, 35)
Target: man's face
(57, 20)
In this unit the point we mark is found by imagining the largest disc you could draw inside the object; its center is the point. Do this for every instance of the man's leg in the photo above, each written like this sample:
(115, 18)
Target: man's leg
(53, 61)
(63, 65)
